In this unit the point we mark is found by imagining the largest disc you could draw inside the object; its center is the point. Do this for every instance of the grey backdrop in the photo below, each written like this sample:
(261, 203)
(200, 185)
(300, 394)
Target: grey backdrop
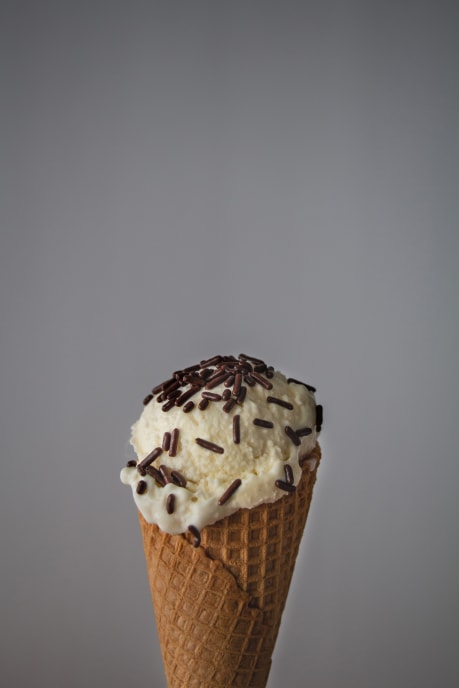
(187, 178)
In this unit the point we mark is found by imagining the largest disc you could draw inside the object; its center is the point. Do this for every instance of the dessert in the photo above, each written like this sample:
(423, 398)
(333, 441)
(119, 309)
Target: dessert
(227, 457)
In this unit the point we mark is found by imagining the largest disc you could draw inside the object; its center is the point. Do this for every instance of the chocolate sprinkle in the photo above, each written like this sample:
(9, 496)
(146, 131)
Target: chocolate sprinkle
(194, 380)
(303, 432)
(178, 478)
(168, 405)
(166, 473)
(154, 473)
(212, 396)
(191, 368)
(230, 491)
(298, 382)
(164, 384)
(220, 370)
(186, 395)
(260, 368)
(280, 402)
(147, 399)
(171, 387)
(174, 442)
(261, 380)
(132, 463)
(141, 487)
(166, 441)
(319, 414)
(242, 394)
(211, 361)
(229, 405)
(282, 485)
(209, 445)
(249, 380)
(290, 432)
(203, 404)
(226, 394)
(237, 429)
(250, 358)
(151, 457)
(189, 406)
(237, 384)
(288, 474)
(217, 380)
(196, 535)
(263, 423)
(170, 503)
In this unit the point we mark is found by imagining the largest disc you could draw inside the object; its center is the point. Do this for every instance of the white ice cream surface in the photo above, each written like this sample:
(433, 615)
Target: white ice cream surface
(258, 460)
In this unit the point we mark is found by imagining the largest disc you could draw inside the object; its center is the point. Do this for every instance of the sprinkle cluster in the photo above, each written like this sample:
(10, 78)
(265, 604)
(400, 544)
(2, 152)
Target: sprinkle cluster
(182, 390)
(201, 378)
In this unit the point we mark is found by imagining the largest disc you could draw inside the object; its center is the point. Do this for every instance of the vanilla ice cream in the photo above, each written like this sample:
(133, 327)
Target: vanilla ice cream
(222, 435)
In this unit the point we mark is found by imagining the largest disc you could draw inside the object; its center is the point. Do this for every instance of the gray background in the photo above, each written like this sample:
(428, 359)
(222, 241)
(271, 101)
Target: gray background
(187, 178)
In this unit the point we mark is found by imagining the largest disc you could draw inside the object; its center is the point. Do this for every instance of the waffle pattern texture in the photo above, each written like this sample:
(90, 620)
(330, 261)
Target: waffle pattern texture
(218, 607)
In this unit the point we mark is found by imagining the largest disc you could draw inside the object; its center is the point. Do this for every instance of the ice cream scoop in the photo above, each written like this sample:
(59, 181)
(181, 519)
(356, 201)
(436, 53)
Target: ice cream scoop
(218, 436)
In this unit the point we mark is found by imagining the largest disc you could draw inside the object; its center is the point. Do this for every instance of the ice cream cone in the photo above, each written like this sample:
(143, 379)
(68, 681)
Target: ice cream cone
(218, 606)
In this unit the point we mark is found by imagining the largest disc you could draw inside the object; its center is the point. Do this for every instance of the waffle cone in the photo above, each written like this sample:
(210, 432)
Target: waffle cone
(218, 607)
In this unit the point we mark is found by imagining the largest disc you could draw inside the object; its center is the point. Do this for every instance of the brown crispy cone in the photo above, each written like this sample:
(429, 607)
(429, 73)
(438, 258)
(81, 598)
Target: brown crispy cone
(218, 607)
